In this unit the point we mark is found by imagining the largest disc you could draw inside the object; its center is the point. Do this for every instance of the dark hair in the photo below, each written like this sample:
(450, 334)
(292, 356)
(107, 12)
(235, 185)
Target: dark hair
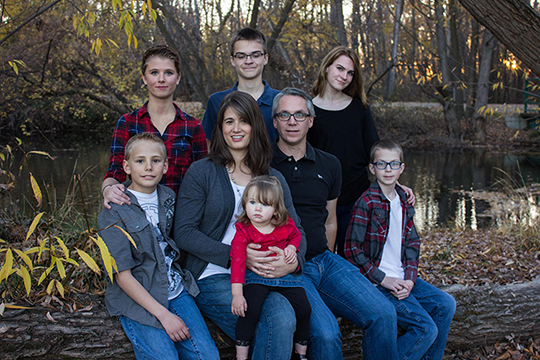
(162, 51)
(144, 137)
(270, 192)
(385, 144)
(248, 34)
(290, 91)
(355, 88)
(259, 154)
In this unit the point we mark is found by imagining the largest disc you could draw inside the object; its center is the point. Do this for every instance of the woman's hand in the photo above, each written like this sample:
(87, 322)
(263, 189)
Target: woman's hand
(259, 261)
(115, 193)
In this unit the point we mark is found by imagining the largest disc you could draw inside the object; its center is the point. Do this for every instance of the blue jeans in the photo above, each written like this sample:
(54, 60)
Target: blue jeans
(277, 324)
(425, 316)
(335, 287)
(154, 344)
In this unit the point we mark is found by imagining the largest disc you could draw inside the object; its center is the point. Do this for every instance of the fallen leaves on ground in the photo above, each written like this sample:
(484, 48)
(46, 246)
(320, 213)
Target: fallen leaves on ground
(482, 257)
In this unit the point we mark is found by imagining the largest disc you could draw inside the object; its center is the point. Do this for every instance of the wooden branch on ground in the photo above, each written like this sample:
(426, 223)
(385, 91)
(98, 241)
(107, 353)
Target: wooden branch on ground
(484, 315)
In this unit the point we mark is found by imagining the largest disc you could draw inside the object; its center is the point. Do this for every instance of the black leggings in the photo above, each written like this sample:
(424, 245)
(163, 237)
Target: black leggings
(255, 295)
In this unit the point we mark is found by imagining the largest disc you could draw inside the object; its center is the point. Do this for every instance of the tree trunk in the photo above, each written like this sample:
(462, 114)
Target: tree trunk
(514, 23)
(254, 14)
(479, 117)
(336, 16)
(448, 100)
(392, 74)
(471, 68)
(484, 315)
(287, 7)
(457, 78)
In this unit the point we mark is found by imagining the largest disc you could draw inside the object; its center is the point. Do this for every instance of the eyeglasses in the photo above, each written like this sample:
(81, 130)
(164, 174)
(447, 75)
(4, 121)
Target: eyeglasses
(285, 116)
(254, 55)
(381, 165)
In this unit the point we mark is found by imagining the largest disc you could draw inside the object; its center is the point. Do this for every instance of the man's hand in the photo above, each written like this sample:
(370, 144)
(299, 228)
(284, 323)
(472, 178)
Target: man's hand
(411, 199)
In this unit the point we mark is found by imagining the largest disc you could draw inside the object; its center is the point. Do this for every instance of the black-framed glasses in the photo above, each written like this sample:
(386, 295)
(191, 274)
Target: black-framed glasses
(285, 116)
(381, 165)
(256, 55)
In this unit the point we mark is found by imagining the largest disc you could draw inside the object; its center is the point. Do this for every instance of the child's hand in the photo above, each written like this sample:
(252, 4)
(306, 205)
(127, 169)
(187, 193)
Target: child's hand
(405, 291)
(290, 254)
(239, 305)
(175, 327)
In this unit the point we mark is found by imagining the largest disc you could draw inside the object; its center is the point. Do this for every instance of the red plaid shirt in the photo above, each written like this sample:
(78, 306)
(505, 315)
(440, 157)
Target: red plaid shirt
(184, 139)
(368, 230)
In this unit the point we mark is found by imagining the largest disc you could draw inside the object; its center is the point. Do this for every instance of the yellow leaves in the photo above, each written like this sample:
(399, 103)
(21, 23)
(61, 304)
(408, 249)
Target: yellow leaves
(497, 85)
(127, 235)
(25, 275)
(14, 65)
(7, 267)
(59, 287)
(25, 258)
(108, 260)
(42, 153)
(89, 261)
(36, 190)
(33, 225)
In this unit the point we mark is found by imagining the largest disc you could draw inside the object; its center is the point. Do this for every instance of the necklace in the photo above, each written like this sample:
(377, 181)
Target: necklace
(230, 172)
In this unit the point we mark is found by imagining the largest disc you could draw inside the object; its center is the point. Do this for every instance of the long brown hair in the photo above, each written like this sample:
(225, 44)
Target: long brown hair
(355, 88)
(259, 154)
(270, 192)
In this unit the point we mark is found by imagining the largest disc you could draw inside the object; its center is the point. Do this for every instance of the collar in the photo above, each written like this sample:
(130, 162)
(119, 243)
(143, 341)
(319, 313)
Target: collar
(376, 189)
(266, 97)
(143, 111)
(279, 156)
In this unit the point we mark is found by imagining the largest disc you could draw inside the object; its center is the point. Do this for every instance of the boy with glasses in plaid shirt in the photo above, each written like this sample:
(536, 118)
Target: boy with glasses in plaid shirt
(383, 243)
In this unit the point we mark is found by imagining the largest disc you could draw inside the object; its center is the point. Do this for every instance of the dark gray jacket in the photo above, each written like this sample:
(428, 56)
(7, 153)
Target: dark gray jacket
(147, 262)
(204, 209)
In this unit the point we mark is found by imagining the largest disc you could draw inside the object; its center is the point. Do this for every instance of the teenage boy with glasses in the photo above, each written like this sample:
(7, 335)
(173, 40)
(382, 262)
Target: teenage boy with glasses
(248, 57)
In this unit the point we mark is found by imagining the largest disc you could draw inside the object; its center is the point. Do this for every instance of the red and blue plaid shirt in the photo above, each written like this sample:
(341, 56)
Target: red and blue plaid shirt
(368, 231)
(184, 139)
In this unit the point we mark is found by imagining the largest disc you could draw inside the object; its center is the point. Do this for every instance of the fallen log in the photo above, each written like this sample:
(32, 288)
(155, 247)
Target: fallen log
(484, 315)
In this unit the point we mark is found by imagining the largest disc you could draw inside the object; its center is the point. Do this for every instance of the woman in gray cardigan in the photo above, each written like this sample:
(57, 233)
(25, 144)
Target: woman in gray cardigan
(206, 209)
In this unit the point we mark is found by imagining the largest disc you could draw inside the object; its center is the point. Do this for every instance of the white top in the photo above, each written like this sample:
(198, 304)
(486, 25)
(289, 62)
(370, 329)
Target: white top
(149, 203)
(213, 269)
(391, 263)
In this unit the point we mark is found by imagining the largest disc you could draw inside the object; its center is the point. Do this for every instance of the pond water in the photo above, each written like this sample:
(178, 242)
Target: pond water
(440, 181)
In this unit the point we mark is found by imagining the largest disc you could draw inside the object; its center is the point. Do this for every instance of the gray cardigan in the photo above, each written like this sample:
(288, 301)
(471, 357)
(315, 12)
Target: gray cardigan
(204, 208)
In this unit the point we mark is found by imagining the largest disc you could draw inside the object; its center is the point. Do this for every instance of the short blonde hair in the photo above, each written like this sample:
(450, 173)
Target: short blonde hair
(144, 137)
(270, 192)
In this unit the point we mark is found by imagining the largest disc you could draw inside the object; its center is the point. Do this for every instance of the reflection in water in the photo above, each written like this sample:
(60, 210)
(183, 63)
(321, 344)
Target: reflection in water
(441, 181)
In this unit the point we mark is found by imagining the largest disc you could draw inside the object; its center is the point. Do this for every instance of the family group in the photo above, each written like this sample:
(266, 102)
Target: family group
(262, 219)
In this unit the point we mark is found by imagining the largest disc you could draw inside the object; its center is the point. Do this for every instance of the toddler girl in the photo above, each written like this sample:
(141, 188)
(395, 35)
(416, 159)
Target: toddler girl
(265, 221)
